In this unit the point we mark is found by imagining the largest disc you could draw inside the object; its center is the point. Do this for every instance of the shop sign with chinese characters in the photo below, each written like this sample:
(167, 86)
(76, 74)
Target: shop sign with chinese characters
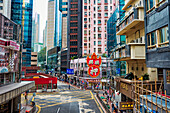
(94, 64)
(126, 105)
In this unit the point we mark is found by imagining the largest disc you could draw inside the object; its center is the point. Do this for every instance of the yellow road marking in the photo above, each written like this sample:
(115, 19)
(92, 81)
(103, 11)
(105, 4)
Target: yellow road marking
(96, 102)
(39, 108)
(33, 99)
(66, 102)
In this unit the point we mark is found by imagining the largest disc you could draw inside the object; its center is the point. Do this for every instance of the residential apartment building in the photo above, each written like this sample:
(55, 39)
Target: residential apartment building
(10, 66)
(21, 13)
(114, 42)
(94, 20)
(132, 25)
(157, 42)
(5, 8)
(74, 30)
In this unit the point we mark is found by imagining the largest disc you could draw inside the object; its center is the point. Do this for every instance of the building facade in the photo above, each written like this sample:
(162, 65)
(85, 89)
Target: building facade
(10, 73)
(157, 43)
(94, 19)
(50, 24)
(63, 7)
(45, 35)
(74, 30)
(5, 8)
(35, 31)
(52, 60)
(115, 41)
(58, 25)
(21, 13)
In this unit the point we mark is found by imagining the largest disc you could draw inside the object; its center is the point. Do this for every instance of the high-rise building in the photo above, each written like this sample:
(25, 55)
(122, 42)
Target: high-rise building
(5, 8)
(95, 16)
(50, 24)
(74, 42)
(63, 7)
(21, 13)
(35, 31)
(45, 35)
(58, 25)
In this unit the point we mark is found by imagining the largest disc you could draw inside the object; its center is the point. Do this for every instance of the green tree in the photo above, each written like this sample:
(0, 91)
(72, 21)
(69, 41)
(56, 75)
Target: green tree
(42, 57)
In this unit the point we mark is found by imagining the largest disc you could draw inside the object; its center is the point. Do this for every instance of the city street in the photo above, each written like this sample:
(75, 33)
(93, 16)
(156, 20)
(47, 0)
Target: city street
(66, 101)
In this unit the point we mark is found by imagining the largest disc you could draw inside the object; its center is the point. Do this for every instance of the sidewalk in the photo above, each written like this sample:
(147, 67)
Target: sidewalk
(27, 106)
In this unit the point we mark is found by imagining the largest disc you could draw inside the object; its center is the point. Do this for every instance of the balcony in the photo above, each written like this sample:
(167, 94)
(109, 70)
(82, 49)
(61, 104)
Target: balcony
(34, 58)
(134, 19)
(128, 2)
(131, 51)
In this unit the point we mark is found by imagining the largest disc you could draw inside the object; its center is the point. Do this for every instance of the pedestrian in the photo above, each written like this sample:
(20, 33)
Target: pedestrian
(92, 88)
(103, 93)
(106, 91)
(113, 107)
(69, 86)
(110, 97)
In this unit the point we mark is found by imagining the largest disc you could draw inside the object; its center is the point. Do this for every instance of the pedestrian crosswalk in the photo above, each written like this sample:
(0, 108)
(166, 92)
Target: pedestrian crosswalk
(60, 89)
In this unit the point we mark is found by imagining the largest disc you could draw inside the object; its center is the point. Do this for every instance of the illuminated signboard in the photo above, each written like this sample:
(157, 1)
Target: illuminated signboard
(126, 105)
(94, 64)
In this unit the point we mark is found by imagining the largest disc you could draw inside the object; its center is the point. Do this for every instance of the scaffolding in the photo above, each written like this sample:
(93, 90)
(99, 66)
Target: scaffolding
(150, 97)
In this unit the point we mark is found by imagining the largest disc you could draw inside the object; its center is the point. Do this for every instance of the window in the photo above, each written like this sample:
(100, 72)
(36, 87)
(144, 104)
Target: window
(94, 8)
(85, 19)
(85, 7)
(89, 13)
(85, 38)
(99, 35)
(85, 32)
(105, 7)
(111, 1)
(94, 49)
(94, 36)
(89, 7)
(99, 50)
(99, 8)
(94, 43)
(94, 1)
(151, 39)
(85, 26)
(168, 76)
(85, 1)
(94, 15)
(99, 43)
(85, 51)
(163, 34)
(1, 8)
(99, 14)
(98, 1)
(1, 1)
(99, 21)
(105, 1)
(89, 45)
(94, 21)
(89, 38)
(85, 44)
(105, 21)
(94, 29)
(150, 4)
(85, 13)
(99, 29)
(106, 14)
(110, 7)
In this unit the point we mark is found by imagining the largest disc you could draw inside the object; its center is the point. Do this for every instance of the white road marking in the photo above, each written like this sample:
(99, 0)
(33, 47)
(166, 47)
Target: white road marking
(58, 110)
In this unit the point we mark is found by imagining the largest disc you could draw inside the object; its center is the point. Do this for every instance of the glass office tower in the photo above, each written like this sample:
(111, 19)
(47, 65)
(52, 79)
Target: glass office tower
(21, 13)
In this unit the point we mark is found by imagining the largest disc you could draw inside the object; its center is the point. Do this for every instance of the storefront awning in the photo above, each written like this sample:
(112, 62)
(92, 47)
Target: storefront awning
(12, 90)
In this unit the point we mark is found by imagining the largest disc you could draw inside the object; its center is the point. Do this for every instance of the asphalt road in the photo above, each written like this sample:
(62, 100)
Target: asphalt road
(67, 101)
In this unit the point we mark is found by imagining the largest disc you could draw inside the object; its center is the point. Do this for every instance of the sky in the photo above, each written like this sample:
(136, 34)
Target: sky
(40, 7)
